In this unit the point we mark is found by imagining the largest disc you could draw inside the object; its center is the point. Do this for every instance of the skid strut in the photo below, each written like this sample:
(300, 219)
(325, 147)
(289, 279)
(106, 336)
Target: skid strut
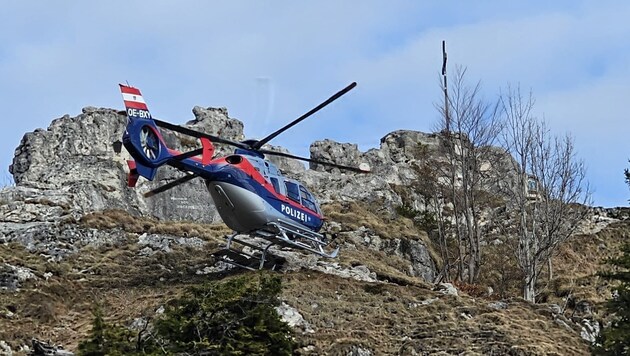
(256, 244)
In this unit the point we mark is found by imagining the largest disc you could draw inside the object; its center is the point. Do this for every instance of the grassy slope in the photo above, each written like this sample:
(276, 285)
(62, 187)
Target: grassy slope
(385, 318)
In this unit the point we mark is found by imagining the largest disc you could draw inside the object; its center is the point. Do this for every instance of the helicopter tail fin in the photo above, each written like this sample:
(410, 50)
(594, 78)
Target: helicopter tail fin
(142, 139)
(134, 103)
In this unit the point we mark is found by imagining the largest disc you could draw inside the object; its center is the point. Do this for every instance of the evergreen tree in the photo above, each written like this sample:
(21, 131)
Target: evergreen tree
(615, 339)
(107, 339)
(233, 317)
(236, 317)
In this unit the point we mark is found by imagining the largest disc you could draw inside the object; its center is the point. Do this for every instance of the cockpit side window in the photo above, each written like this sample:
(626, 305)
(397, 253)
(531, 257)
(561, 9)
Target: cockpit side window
(307, 199)
(293, 191)
(276, 186)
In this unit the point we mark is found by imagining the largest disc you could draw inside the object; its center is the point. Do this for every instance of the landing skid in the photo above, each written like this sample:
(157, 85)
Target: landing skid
(279, 233)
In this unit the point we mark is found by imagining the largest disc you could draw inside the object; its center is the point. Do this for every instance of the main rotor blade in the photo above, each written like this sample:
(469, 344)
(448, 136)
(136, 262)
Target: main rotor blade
(189, 132)
(325, 163)
(183, 156)
(170, 185)
(260, 143)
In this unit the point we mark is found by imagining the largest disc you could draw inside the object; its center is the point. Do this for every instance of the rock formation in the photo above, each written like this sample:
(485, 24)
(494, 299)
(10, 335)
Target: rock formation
(72, 165)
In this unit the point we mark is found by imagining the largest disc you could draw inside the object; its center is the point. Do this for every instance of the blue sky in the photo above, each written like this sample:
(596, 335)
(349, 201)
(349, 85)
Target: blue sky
(269, 62)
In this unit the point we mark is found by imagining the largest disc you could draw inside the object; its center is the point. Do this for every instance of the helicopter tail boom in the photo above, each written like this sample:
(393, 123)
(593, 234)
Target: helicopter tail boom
(144, 140)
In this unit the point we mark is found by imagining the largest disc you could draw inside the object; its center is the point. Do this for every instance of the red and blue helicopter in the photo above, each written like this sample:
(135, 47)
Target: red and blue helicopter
(251, 195)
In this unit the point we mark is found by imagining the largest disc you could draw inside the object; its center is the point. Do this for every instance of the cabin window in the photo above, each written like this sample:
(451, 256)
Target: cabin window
(307, 199)
(276, 186)
(293, 191)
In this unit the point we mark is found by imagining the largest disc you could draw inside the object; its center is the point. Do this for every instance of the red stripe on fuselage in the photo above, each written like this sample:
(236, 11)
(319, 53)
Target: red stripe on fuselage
(248, 168)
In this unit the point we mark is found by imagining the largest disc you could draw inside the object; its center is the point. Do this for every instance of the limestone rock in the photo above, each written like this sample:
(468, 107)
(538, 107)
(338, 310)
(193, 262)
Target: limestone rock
(11, 277)
(500, 305)
(359, 351)
(285, 165)
(293, 318)
(71, 169)
(5, 349)
(331, 151)
(590, 330)
(41, 348)
(447, 288)
(75, 155)
(155, 242)
(408, 248)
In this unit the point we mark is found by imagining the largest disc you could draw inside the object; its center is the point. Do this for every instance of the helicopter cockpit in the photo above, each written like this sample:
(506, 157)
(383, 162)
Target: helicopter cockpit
(289, 188)
(301, 195)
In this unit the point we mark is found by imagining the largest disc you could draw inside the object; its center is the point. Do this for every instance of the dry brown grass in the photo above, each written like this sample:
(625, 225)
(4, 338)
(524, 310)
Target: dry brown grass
(391, 319)
(353, 215)
(387, 267)
(578, 262)
(111, 219)
(387, 318)
(125, 285)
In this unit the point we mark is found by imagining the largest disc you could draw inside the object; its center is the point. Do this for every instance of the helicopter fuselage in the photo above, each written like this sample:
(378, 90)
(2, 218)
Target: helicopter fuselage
(248, 191)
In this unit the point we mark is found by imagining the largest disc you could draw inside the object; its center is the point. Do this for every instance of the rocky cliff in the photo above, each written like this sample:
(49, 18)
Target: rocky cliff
(71, 229)
(74, 161)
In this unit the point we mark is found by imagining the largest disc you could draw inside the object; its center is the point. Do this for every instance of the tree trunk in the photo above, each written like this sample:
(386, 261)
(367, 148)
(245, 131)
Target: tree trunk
(529, 289)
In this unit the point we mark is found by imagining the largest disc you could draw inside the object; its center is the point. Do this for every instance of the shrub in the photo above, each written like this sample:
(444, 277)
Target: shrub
(233, 317)
(615, 339)
(236, 317)
(407, 211)
(107, 339)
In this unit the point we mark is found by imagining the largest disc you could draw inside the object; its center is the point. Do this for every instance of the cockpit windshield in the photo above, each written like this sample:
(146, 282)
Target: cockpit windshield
(307, 200)
(301, 195)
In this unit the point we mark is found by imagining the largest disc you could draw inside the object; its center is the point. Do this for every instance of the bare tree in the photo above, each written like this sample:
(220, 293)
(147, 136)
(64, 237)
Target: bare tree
(431, 170)
(548, 190)
(470, 125)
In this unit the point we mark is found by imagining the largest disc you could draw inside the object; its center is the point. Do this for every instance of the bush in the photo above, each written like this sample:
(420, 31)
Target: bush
(233, 317)
(107, 339)
(407, 211)
(425, 220)
(237, 317)
(615, 339)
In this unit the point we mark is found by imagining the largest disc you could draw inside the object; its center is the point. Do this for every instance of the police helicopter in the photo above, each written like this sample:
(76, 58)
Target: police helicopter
(253, 198)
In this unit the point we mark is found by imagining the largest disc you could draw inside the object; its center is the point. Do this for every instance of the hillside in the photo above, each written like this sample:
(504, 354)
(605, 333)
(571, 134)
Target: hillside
(73, 236)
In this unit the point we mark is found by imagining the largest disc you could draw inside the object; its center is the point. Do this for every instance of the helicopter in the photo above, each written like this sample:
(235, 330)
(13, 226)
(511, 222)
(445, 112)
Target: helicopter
(250, 193)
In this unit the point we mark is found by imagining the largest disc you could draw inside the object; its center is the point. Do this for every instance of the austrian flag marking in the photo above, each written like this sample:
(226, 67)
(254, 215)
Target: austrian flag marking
(133, 98)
